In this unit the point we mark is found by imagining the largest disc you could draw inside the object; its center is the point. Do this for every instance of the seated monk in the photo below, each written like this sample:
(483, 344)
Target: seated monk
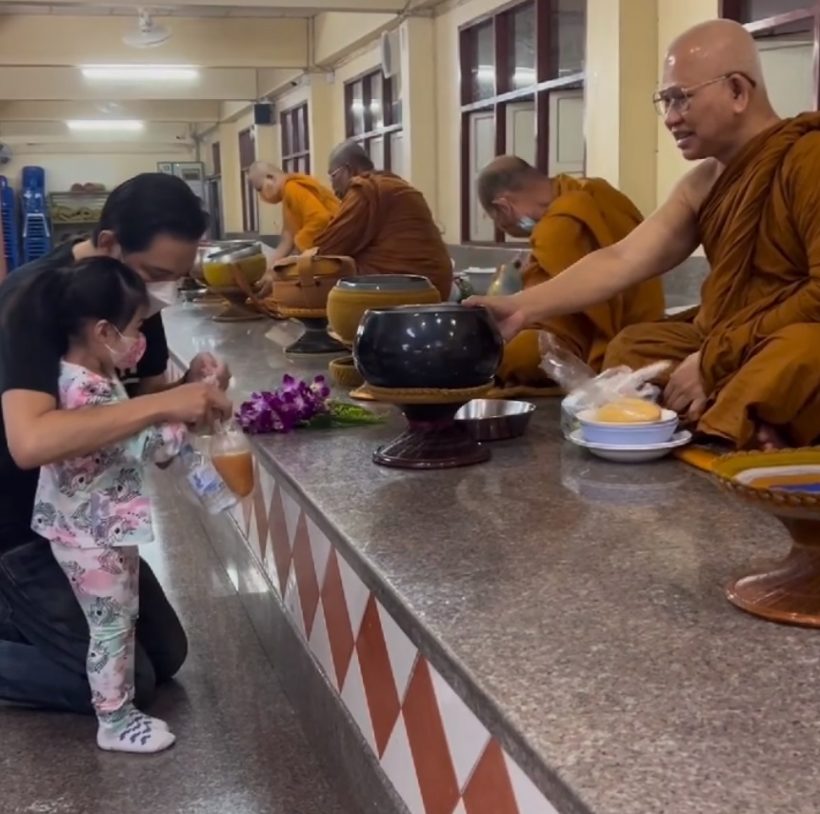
(307, 207)
(746, 367)
(566, 219)
(384, 224)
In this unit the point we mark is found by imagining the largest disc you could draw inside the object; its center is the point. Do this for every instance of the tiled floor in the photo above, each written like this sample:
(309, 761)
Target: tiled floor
(239, 746)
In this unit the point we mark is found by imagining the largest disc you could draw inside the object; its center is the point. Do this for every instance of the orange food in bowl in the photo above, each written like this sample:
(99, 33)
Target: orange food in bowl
(628, 411)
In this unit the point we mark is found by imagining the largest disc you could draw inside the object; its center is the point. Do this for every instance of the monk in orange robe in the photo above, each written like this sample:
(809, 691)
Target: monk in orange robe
(746, 366)
(307, 207)
(566, 219)
(384, 224)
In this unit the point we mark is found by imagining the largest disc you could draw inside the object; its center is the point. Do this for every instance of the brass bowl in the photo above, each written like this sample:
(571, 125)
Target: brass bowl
(221, 274)
(352, 296)
(343, 373)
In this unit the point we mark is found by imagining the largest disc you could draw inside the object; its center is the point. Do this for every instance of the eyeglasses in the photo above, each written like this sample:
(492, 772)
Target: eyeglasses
(679, 99)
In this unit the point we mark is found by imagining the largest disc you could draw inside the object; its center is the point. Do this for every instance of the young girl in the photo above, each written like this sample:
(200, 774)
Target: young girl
(94, 509)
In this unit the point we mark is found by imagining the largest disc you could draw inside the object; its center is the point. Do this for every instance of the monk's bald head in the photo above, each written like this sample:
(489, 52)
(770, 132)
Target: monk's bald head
(713, 94)
(711, 49)
(513, 193)
(259, 171)
(347, 160)
(505, 174)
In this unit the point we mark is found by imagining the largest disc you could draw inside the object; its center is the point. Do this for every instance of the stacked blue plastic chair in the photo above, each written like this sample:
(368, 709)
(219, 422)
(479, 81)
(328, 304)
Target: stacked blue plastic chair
(36, 229)
(11, 224)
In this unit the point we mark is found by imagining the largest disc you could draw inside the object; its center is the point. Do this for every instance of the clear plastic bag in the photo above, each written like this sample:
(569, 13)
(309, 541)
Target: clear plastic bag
(232, 458)
(586, 390)
(203, 483)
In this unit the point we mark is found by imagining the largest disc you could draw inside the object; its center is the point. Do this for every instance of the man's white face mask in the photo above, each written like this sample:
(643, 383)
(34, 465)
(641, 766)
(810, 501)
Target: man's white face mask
(162, 295)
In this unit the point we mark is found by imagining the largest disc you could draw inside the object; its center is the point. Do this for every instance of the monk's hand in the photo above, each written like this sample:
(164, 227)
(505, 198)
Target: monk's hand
(265, 286)
(506, 312)
(684, 393)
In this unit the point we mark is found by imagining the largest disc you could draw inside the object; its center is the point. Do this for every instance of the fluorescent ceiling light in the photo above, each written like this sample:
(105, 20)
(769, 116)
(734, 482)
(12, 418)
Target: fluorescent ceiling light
(105, 125)
(141, 73)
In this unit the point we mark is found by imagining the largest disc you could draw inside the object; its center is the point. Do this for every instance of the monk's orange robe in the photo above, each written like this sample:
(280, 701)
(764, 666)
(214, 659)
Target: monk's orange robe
(307, 208)
(758, 327)
(385, 225)
(586, 215)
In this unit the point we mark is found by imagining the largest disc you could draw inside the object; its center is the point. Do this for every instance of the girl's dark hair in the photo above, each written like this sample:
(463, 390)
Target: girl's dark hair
(59, 302)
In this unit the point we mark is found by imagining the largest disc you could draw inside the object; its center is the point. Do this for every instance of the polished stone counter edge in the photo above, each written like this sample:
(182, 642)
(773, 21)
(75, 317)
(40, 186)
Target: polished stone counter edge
(452, 669)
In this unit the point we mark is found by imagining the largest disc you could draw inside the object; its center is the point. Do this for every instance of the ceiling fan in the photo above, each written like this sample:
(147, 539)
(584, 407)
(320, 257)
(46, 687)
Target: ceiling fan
(148, 33)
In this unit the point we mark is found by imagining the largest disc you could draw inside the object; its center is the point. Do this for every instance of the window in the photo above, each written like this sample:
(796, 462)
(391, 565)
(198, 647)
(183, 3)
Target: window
(522, 93)
(373, 118)
(250, 202)
(295, 139)
(216, 158)
(786, 36)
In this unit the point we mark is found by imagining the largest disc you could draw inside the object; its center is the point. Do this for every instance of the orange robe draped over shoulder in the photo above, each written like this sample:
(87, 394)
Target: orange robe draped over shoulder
(586, 215)
(308, 207)
(758, 327)
(385, 225)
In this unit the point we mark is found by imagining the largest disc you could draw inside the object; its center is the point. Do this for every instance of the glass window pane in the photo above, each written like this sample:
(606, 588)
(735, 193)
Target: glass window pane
(761, 9)
(357, 108)
(483, 71)
(522, 46)
(787, 57)
(396, 154)
(568, 35)
(286, 148)
(482, 150)
(394, 90)
(301, 129)
(376, 152)
(376, 101)
(566, 132)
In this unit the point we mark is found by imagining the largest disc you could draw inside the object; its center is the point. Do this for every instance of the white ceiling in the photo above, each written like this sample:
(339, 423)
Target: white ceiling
(76, 9)
(200, 8)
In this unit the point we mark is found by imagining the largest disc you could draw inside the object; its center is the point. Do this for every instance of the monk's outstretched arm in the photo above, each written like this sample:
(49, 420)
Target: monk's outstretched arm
(349, 232)
(657, 245)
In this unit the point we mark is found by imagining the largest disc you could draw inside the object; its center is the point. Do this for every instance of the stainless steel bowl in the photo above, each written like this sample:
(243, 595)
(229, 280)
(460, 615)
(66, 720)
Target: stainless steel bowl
(495, 419)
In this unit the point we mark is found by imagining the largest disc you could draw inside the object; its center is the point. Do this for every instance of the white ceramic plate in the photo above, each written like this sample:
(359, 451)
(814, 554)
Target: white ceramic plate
(632, 454)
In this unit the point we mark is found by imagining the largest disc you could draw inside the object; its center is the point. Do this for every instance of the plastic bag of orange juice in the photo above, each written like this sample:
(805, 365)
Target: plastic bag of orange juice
(232, 457)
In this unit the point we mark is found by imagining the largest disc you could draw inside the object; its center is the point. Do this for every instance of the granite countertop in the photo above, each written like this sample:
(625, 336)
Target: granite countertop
(582, 599)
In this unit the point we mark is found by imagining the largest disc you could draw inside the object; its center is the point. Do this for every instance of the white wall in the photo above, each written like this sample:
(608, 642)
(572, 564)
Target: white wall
(63, 170)
(674, 17)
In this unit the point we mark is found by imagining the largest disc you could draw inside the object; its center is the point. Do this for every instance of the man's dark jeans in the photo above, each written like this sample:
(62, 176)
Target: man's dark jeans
(44, 635)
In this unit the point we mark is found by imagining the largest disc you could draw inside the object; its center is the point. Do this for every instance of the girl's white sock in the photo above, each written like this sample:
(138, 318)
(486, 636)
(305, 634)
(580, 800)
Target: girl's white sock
(129, 730)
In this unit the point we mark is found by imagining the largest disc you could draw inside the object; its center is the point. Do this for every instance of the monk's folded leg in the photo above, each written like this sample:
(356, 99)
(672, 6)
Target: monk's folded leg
(646, 343)
(779, 387)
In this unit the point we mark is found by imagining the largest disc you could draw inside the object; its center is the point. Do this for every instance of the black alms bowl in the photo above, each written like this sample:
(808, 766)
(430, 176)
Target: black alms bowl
(430, 346)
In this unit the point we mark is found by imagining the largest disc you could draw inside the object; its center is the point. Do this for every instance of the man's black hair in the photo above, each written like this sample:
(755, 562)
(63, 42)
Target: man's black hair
(149, 205)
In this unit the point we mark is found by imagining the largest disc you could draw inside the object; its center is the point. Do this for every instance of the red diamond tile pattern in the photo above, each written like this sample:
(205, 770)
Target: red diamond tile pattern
(377, 674)
(339, 629)
(260, 512)
(428, 744)
(282, 554)
(490, 788)
(305, 570)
